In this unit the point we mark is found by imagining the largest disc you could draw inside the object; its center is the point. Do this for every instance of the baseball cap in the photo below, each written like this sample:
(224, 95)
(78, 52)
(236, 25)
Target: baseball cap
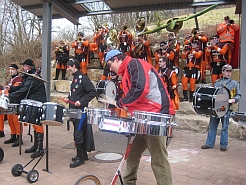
(28, 62)
(112, 54)
(13, 66)
(227, 67)
(72, 62)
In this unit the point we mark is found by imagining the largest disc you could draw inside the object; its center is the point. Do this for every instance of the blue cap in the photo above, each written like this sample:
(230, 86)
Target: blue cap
(112, 54)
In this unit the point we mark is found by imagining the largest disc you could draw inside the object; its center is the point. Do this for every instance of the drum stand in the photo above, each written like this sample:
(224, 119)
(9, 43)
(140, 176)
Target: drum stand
(118, 174)
(32, 175)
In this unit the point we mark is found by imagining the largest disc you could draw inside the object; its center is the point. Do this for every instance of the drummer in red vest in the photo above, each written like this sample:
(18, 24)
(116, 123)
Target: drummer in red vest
(14, 124)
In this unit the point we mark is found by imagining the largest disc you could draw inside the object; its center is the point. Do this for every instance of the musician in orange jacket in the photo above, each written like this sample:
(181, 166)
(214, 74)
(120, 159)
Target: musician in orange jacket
(125, 38)
(164, 51)
(14, 124)
(193, 57)
(81, 46)
(226, 32)
(170, 80)
(62, 56)
(202, 40)
(99, 38)
(175, 45)
(217, 54)
(141, 49)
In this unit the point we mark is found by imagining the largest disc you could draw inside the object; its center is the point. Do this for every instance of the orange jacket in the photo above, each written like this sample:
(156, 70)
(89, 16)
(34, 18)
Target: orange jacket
(193, 58)
(80, 47)
(227, 32)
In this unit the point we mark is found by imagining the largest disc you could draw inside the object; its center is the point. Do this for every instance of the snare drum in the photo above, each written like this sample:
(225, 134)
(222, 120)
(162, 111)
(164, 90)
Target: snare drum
(12, 109)
(107, 87)
(116, 124)
(4, 101)
(94, 116)
(211, 101)
(31, 111)
(53, 114)
(151, 123)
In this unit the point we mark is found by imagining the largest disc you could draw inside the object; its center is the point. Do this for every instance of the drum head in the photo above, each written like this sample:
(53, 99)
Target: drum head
(110, 89)
(221, 104)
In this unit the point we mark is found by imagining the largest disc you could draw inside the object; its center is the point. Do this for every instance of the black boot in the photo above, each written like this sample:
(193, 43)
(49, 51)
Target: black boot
(185, 95)
(11, 140)
(40, 149)
(2, 134)
(17, 142)
(91, 55)
(57, 74)
(84, 154)
(191, 96)
(63, 74)
(79, 160)
(203, 81)
(35, 145)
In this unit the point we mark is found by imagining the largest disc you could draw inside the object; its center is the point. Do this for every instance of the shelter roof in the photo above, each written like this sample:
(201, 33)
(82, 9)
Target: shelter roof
(74, 9)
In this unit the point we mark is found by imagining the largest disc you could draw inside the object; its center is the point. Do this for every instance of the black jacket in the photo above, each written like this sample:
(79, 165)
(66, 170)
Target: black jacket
(30, 88)
(81, 90)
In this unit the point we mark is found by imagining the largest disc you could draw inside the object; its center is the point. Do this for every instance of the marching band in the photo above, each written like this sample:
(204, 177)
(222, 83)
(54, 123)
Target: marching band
(198, 54)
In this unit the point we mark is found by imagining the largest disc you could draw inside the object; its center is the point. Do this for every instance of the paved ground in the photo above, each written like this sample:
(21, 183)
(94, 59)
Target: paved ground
(190, 164)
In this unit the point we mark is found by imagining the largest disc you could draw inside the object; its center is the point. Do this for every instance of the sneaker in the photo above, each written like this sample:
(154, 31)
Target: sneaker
(205, 147)
(223, 148)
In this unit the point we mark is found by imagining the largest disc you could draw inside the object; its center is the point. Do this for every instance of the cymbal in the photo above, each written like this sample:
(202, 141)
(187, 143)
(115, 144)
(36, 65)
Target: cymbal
(35, 76)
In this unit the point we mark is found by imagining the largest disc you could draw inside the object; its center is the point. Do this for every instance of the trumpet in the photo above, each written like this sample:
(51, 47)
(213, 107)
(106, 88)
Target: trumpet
(61, 49)
(209, 44)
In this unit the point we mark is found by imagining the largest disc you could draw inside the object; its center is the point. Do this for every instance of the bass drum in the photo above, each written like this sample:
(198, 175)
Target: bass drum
(212, 101)
(107, 87)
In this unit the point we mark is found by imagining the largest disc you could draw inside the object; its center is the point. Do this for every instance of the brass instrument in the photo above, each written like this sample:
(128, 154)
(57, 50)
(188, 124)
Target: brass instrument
(140, 25)
(138, 47)
(61, 49)
(209, 44)
(111, 38)
(174, 26)
(173, 43)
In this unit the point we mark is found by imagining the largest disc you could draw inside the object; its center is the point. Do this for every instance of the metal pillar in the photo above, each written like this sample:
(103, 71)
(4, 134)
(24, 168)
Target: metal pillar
(46, 44)
(242, 102)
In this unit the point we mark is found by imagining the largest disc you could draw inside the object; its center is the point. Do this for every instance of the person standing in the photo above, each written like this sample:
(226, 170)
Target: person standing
(81, 50)
(81, 93)
(217, 54)
(144, 90)
(226, 32)
(14, 124)
(125, 38)
(62, 56)
(235, 95)
(141, 48)
(193, 57)
(170, 79)
(33, 89)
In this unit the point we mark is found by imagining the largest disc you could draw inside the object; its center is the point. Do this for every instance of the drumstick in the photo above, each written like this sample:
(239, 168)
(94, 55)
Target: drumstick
(69, 101)
(106, 101)
(104, 96)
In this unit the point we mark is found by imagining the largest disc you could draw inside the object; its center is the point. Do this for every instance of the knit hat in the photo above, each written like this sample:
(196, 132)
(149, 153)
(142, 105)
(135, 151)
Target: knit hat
(13, 66)
(28, 62)
(112, 54)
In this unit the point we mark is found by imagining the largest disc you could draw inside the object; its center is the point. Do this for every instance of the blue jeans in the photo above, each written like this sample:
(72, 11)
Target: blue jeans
(213, 124)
